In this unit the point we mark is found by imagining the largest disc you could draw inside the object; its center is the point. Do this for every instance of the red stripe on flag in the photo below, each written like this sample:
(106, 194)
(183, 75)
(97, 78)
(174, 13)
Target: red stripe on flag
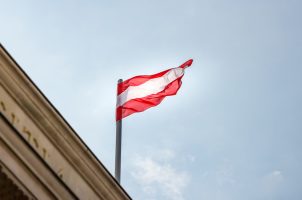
(187, 64)
(138, 80)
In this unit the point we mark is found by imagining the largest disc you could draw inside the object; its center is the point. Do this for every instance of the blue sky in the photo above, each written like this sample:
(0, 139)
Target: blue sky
(234, 129)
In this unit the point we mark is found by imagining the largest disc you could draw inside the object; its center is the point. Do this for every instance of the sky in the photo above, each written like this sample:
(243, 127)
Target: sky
(234, 130)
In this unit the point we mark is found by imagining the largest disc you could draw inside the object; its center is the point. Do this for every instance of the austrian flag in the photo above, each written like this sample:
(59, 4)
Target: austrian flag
(142, 92)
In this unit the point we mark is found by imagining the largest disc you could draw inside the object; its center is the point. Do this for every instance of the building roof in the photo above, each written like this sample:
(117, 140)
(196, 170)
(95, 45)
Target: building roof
(67, 166)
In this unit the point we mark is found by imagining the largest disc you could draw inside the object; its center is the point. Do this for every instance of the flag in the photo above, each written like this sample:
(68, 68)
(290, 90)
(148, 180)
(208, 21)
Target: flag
(142, 92)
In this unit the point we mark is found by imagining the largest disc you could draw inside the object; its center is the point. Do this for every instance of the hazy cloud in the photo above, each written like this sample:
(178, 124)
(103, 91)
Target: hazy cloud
(272, 182)
(159, 177)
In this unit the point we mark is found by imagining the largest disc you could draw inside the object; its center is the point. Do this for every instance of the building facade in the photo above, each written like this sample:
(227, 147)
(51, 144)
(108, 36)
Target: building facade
(41, 156)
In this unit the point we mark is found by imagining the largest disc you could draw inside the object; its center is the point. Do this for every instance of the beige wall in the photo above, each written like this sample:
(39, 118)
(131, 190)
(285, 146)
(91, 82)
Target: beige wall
(48, 148)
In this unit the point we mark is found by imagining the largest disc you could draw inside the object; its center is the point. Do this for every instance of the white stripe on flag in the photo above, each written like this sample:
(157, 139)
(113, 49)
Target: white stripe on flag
(153, 86)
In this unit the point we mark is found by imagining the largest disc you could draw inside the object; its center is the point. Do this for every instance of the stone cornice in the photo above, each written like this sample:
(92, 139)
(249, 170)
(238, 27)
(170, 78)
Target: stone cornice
(56, 130)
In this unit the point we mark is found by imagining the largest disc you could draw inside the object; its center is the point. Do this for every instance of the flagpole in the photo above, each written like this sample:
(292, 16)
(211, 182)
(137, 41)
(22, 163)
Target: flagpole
(118, 147)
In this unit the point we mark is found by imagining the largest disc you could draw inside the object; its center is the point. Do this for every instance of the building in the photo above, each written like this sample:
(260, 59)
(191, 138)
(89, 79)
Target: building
(41, 156)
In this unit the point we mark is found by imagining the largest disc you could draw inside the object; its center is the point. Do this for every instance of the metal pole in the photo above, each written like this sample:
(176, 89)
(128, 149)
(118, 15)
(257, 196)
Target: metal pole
(118, 147)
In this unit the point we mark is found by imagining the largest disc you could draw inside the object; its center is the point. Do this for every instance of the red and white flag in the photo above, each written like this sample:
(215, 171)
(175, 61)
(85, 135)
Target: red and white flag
(142, 92)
